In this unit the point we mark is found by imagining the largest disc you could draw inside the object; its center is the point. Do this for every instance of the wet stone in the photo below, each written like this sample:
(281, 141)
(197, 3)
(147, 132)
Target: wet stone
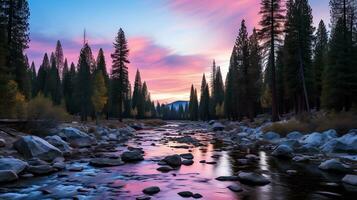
(235, 188)
(164, 169)
(197, 196)
(143, 198)
(187, 162)
(227, 178)
(151, 190)
(185, 194)
(187, 156)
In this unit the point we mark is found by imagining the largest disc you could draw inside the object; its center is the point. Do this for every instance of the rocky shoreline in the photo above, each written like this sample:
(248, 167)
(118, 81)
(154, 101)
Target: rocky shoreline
(31, 156)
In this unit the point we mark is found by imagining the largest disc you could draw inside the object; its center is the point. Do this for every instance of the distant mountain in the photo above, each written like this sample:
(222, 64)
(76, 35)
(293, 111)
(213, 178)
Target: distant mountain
(176, 104)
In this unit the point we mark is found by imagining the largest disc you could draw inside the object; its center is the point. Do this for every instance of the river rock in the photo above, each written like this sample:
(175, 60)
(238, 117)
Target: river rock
(301, 159)
(33, 146)
(13, 164)
(252, 178)
(105, 162)
(315, 139)
(295, 135)
(57, 141)
(271, 136)
(132, 156)
(345, 144)
(187, 162)
(151, 190)
(227, 178)
(335, 166)
(164, 169)
(187, 156)
(7, 176)
(173, 160)
(350, 179)
(76, 138)
(143, 198)
(185, 194)
(137, 126)
(41, 169)
(2, 143)
(235, 188)
(217, 126)
(283, 151)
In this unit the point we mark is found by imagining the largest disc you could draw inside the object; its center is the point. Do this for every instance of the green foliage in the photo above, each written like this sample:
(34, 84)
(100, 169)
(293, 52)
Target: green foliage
(12, 102)
(204, 109)
(99, 97)
(193, 105)
(120, 80)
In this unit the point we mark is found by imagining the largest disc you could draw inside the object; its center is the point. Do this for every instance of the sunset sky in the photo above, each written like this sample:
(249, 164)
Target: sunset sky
(172, 42)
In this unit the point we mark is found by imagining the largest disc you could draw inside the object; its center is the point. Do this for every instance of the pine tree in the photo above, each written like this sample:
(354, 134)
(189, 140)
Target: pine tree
(119, 72)
(204, 106)
(15, 16)
(298, 54)
(219, 90)
(99, 97)
(33, 78)
(59, 58)
(320, 60)
(242, 44)
(101, 66)
(53, 83)
(270, 35)
(145, 98)
(231, 93)
(83, 83)
(138, 99)
(213, 91)
(193, 105)
(43, 72)
(254, 77)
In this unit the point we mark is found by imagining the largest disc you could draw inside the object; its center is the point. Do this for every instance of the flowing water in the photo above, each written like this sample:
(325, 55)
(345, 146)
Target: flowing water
(128, 181)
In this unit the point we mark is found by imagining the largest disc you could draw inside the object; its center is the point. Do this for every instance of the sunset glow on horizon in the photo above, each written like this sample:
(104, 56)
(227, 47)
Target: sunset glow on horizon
(171, 42)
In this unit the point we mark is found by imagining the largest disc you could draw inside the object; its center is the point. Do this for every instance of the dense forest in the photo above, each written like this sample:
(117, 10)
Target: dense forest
(286, 65)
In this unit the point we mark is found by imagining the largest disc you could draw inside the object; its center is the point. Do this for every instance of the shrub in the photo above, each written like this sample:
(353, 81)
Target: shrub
(342, 122)
(41, 108)
(12, 102)
(285, 127)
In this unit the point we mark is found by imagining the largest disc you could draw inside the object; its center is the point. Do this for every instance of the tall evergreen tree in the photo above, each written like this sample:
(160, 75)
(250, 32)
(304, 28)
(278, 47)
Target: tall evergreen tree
(298, 53)
(101, 66)
(119, 72)
(204, 100)
(53, 83)
(83, 85)
(270, 34)
(254, 77)
(15, 18)
(213, 91)
(138, 100)
(59, 58)
(219, 90)
(193, 105)
(242, 44)
(33, 78)
(320, 60)
(43, 72)
(231, 94)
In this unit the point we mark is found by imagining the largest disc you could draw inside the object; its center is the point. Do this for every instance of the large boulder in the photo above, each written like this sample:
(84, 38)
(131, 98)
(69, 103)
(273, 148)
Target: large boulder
(315, 139)
(7, 176)
(173, 160)
(350, 179)
(335, 166)
(252, 178)
(132, 156)
(329, 134)
(217, 126)
(271, 136)
(62, 145)
(36, 147)
(12, 164)
(283, 151)
(345, 144)
(295, 135)
(76, 138)
(41, 169)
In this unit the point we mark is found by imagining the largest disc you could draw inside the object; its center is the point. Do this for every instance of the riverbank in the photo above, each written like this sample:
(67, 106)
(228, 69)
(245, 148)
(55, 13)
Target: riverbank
(217, 160)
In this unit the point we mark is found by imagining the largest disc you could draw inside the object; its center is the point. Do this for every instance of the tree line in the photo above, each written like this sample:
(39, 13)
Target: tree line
(286, 66)
(85, 89)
